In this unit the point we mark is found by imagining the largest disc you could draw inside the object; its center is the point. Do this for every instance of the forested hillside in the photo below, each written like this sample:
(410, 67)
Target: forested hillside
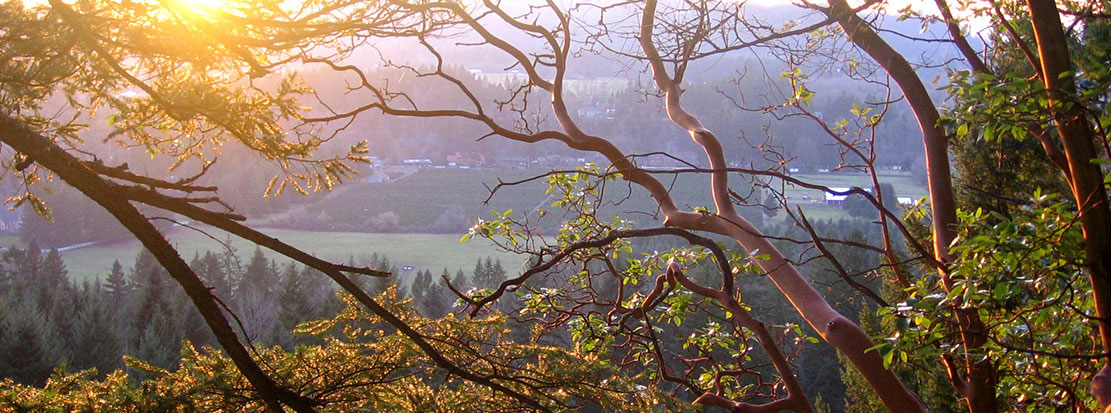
(711, 205)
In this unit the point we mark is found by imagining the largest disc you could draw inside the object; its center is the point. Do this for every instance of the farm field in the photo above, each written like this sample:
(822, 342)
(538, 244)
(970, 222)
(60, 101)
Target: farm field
(426, 196)
(904, 184)
(422, 251)
(423, 197)
(812, 201)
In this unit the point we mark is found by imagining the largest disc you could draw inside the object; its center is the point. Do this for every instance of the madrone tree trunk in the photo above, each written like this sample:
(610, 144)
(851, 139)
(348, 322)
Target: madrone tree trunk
(845, 335)
(41, 150)
(978, 383)
(1085, 177)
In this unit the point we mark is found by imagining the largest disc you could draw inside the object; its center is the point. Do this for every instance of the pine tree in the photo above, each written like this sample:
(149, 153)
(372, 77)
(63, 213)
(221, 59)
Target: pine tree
(214, 274)
(116, 286)
(295, 305)
(28, 349)
(260, 277)
(478, 275)
(322, 295)
(488, 274)
(158, 343)
(460, 278)
(498, 274)
(5, 280)
(186, 319)
(149, 301)
(458, 281)
(256, 298)
(145, 269)
(97, 334)
(439, 298)
(23, 267)
(55, 296)
(377, 285)
(53, 271)
(229, 263)
(419, 290)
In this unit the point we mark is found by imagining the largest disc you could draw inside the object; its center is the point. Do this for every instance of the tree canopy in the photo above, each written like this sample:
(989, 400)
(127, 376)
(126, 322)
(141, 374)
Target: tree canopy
(995, 291)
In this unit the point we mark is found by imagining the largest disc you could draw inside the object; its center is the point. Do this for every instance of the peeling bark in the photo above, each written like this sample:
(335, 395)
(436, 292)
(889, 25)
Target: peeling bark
(74, 173)
(833, 327)
(981, 377)
(1086, 179)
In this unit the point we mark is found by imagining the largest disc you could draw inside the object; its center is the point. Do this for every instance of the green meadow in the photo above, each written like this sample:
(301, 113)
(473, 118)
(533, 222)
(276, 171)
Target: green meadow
(422, 251)
(423, 196)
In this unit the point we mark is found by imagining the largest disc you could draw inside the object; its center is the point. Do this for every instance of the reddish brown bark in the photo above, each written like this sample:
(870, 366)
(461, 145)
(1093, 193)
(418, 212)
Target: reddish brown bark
(116, 199)
(795, 400)
(845, 335)
(1086, 180)
(953, 25)
(841, 332)
(75, 174)
(980, 375)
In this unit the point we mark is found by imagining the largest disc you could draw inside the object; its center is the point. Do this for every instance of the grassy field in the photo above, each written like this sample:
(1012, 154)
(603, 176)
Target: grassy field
(423, 197)
(420, 198)
(812, 201)
(904, 184)
(422, 251)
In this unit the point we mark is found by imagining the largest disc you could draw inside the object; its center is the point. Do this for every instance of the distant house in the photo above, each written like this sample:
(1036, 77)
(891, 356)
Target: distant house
(417, 161)
(512, 77)
(597, 112)
(833, 198)
(10, 221)
(377, 177)
(460, 159)
(11, 225)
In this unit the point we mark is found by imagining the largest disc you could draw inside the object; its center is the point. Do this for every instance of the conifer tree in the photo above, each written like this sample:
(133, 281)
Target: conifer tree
(478, 275)
(377, 285)
(53, 272)
(97, 335)
(439, 298)
(116, 286)
(29, 351)
(23, 265)
(144, 270)
(322, 294)
(488, 274)
(214, 274)
(5, 280)
(460, 277)
(420, 290)
(158, 343)
(186, 320)
(148, 302)
(256, 298)
(295, 305)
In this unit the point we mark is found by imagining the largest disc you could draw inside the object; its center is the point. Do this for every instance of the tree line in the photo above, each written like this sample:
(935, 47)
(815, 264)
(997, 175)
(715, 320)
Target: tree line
(48, 320)
(1005, 301)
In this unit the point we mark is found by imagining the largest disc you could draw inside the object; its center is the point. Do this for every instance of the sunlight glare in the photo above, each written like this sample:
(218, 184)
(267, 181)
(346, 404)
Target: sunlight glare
(204, 6)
